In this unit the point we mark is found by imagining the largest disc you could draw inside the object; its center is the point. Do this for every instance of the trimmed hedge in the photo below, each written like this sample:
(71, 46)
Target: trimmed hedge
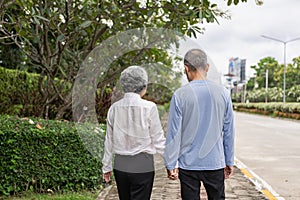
(287, 110)
(19, 92)
(46, 155)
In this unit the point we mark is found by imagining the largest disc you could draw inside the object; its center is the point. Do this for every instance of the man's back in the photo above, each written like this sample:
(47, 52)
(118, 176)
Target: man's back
(200, 134)
(202, 105)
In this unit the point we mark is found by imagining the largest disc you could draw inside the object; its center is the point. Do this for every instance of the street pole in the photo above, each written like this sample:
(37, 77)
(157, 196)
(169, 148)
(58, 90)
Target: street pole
(284, 71)
(284, 55)
(267, 82)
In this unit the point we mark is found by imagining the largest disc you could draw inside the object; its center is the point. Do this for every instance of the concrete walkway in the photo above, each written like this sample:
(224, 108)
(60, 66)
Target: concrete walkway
(237, 187)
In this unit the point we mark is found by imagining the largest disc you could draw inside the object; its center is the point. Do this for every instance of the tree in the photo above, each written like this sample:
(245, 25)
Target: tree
(273, 68)
(58, 35)
(275, 80)
(293, 73)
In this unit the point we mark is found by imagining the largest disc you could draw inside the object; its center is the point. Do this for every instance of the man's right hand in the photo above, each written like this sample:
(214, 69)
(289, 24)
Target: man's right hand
(173, 173)
(228, 171)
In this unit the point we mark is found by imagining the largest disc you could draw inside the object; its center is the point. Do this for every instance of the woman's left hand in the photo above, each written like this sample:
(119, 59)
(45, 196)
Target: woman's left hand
(106, 176)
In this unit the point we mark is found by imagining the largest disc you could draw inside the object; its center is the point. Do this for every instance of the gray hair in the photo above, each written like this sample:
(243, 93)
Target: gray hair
(134, 79)
(196, 59)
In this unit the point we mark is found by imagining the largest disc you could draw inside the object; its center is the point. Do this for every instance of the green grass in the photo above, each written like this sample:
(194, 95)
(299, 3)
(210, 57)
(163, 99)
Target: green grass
(66, 196)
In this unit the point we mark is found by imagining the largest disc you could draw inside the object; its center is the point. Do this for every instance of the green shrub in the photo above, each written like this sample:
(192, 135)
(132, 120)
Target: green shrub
(19, 93)
(274, 94)
(289, 110)
(46, 155)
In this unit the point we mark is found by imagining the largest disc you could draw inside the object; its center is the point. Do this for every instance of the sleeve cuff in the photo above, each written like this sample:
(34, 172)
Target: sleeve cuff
(106, 169)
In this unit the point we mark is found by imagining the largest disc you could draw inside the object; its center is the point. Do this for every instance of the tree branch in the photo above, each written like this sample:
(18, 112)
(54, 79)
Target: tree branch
(96, 36)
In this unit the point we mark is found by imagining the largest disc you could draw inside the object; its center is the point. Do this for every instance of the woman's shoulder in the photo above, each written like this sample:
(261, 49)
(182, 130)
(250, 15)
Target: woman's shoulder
(148, 103)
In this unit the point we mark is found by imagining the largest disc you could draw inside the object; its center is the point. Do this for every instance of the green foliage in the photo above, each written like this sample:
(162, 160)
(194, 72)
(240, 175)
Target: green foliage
(229, 2)
(12, 57)
(56, 36)
(293, 94)
(275, 79)
(289, 110)
(45, 155)
(85, 195)
(274, 94)
(273, 68)
(19, 93)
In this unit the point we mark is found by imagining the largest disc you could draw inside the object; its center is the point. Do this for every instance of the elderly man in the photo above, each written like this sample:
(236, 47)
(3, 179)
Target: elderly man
(200, 133)
(134, 133)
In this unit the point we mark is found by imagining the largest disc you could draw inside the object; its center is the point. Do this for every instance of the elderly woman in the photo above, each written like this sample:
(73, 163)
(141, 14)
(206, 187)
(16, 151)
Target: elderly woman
(134, 134)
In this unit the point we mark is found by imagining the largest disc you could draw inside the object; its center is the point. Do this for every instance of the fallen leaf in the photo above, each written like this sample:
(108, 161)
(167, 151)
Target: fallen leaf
(39, 126)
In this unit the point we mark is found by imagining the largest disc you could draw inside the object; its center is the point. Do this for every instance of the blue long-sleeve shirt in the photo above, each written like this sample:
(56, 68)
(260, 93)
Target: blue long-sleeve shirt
(200, 133)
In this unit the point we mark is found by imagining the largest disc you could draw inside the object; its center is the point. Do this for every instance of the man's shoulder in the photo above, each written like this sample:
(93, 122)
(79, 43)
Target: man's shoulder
(217, 86)
(182, 89)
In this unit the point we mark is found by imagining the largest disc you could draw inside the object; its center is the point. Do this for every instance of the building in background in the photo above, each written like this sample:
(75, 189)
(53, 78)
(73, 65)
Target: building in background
(236, 72)
(236, 77)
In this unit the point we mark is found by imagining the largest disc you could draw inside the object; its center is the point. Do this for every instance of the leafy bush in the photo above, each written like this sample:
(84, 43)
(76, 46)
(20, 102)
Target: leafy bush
(19, 93)
(289, 110)
(274, 94)
(45, 155)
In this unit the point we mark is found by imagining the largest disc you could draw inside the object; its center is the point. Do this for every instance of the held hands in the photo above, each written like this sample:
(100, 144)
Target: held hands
(106, 176)
(228, 171)
(172, 174)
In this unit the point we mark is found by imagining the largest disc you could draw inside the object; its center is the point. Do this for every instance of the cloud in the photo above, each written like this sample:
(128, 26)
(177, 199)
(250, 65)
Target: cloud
(241, 36)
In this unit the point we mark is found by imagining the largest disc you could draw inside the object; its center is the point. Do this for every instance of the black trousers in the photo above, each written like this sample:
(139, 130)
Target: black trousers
(134, 186)
(134, 176)
(213, 181)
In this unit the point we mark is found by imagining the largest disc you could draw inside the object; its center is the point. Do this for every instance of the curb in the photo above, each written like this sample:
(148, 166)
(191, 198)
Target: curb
(259, 183)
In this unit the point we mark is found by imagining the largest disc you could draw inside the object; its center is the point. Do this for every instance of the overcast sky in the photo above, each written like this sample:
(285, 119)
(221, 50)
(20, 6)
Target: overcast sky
(241, 36)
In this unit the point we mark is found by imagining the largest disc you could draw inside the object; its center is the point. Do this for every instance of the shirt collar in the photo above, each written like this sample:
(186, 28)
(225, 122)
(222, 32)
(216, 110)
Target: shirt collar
(132, 95)
(198, 81)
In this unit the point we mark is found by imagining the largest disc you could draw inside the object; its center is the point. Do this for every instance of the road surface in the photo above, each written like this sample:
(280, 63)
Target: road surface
(270, 147)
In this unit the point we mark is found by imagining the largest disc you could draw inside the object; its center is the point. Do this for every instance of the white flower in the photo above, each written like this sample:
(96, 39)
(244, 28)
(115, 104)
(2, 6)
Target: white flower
(161, 12)
(142, 3)
(62, 18)
(108, 22)
(30, 121)
(158, 3)
(27, 12)
(80, 7)
(166, 18)
(63, 43)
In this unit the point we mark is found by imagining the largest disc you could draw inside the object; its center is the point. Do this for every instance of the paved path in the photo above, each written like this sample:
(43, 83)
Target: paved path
(238, 187)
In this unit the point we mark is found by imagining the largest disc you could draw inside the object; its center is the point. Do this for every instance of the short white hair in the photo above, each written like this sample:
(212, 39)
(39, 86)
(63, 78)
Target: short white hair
(134, 79)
